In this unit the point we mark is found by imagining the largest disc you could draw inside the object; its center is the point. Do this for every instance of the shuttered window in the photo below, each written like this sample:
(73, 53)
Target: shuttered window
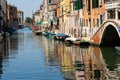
(78, 4)
(88, 5)
(49, 1)
(94, 3)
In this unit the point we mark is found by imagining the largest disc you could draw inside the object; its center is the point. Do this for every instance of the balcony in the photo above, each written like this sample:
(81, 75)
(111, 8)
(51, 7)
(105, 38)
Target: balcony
(112, 4)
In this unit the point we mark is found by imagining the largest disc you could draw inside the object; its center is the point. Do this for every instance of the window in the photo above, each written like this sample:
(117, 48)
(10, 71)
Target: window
(88, 7)
(87, 22)
(97, 22)
(50, 1)
(78, 4)
(100, 2)
(94, 3)
(84, 22)
(93, 22)
(100, 19)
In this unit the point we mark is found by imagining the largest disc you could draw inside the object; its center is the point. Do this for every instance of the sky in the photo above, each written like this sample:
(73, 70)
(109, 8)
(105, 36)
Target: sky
(27, 6)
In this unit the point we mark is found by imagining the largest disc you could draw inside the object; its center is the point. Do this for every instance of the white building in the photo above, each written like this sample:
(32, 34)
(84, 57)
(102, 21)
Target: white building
(112, 9)
(37, 16)
(20, 16)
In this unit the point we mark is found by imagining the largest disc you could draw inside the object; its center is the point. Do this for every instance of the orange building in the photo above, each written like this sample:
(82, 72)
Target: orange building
(93, 16)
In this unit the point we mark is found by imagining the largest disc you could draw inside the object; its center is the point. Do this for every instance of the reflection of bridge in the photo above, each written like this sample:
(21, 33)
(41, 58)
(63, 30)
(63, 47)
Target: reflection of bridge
(108, 34)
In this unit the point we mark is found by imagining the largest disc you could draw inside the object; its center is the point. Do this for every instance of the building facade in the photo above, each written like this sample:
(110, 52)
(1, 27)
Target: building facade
(64, 11)
(36, 16)
(94, 14)
(76, 17)
(3, 13)
(3, 17)
(12, 15)
(112, 9)
(20, 16)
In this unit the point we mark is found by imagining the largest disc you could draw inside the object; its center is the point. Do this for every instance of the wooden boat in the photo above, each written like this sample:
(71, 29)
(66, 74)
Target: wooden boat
(77, 42)
(68, 42)
(81, 42)
(38, 32)
(84, 43)
(45, 33)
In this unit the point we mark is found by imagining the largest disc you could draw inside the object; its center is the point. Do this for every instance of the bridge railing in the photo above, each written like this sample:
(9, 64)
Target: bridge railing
(117, 22)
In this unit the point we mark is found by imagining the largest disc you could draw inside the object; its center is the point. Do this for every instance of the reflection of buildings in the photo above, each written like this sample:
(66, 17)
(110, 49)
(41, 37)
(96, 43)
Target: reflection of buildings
(10, 45)
(66, 63)
(96, 67)
(113, 62)
(89, 64)
(51, 53)
(82, 63)
(45, 43)
(78, 63)
(1, 58)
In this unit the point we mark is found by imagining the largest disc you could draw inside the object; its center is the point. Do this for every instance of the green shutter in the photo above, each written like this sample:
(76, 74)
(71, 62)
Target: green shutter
(49, 1)
(88, 5)
(76, 5)
(94, 3)
(80, 4)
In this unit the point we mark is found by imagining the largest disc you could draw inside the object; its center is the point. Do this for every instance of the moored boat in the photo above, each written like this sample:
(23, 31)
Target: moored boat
(77, 42)
(60, 36)
(84, 43)
(38, 32)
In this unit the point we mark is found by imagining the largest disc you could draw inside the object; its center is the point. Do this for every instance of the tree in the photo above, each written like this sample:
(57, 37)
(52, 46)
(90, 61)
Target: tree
(29, 20)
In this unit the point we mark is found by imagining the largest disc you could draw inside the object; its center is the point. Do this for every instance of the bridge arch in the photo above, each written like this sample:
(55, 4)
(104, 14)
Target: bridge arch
(110, 37)
(107, 34)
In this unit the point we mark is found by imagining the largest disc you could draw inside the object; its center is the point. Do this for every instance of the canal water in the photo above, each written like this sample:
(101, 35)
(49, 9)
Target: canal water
(34, 57)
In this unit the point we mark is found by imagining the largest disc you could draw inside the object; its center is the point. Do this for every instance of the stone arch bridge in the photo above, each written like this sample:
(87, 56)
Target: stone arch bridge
(108, 34)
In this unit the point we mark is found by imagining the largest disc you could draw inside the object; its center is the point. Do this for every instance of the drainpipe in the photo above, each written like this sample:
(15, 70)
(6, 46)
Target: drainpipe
(116, 14)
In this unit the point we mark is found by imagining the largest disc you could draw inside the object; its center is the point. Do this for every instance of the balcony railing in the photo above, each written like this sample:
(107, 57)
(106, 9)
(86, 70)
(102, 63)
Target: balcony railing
(112, 4)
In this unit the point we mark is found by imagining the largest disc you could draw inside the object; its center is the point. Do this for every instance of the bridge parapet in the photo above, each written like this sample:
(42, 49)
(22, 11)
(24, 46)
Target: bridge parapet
(107, 33)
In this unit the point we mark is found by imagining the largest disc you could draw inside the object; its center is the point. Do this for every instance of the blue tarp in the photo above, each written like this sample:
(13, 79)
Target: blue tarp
(61, 34)
(39, 22)
(119, 28)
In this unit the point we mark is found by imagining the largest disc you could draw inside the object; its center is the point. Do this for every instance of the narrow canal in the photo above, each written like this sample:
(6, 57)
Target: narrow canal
(31, 57)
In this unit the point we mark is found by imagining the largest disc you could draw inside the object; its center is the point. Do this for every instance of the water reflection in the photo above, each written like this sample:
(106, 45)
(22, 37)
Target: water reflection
(92, 63)
(58, 61)
(6, 47)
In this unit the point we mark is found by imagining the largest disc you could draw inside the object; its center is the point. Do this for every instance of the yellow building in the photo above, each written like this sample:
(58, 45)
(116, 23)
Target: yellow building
(64, 11)
(93, 16)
